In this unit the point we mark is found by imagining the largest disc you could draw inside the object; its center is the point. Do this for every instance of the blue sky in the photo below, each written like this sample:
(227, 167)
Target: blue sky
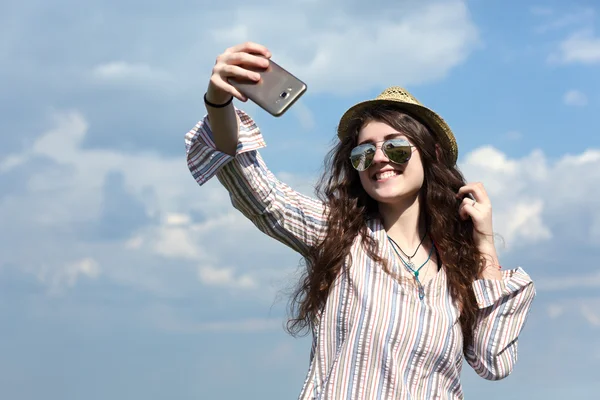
(121, 278)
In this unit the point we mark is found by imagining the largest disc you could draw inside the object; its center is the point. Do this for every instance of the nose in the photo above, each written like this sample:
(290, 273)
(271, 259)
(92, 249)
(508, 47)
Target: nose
(379, 156)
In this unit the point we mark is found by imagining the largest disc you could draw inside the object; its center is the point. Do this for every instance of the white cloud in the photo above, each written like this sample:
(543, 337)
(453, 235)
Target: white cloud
(402, 44)
(591, 314)
(11, 162)
(66, 276)
(524, 222)
(575, 98)
(587, 308)
(225, 277)
(490, 158)
(62, 142)
(591, 156)
(407, 42)
(582, 47)
(526, 198)
(174, 242)
(134, 243)
(69, 195)
(122, 71)
(175, 219)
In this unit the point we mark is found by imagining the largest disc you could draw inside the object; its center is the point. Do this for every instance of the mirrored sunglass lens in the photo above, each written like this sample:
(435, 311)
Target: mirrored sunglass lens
(362, 156)
(398, 151)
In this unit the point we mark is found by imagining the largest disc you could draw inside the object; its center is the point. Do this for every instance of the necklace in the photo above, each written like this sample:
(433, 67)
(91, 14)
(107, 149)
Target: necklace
(417, 249)
(410, 266)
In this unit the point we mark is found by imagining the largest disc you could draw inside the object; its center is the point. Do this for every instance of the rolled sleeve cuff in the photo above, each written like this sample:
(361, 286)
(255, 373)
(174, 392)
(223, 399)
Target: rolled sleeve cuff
(204, 160)
(489, 291)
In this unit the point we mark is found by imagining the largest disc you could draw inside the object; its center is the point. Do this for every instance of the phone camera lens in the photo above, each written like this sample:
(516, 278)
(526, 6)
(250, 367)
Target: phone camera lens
(283, 95)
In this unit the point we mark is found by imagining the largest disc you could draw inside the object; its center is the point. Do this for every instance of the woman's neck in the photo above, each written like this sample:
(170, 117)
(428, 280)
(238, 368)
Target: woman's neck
(403, 222)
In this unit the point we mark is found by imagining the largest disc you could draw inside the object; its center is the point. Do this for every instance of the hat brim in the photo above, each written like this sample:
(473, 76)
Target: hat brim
(429, 118)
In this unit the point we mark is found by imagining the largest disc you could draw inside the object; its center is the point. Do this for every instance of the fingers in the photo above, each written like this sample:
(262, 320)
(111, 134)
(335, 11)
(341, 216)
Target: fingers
(225, 87)
(233, 71)
(250, 47)
(237, 63)
(477, 190)
(225, 72)
(242, 59)
(471, 207)
(478, 208)
(467, 208)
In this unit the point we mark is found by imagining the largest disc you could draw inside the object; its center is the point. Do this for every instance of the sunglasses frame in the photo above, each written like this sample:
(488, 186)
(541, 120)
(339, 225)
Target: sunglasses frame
(383, 143)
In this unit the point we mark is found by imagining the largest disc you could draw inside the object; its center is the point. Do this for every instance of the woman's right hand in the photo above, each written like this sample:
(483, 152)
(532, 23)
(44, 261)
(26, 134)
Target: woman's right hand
(233, 63)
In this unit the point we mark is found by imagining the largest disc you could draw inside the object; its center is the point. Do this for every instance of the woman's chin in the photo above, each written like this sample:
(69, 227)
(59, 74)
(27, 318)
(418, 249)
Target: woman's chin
(392, 196)
(387, 196)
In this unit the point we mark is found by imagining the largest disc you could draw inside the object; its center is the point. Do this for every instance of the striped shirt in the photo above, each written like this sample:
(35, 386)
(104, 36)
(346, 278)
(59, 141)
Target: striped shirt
(374, 338)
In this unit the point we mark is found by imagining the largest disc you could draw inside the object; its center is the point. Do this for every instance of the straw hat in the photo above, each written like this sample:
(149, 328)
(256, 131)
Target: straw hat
(404, 101)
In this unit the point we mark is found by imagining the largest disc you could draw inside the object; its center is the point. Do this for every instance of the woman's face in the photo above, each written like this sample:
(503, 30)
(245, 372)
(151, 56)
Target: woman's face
(385, 181)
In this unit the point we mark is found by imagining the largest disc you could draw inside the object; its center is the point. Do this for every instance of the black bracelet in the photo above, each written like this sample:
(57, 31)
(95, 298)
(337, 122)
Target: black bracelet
(208, 103)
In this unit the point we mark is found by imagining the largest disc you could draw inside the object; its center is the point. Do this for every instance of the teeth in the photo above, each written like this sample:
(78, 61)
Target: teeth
(385, 175)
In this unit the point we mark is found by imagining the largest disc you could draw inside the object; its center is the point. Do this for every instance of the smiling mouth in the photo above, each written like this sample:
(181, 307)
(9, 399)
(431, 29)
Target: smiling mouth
(380, 176)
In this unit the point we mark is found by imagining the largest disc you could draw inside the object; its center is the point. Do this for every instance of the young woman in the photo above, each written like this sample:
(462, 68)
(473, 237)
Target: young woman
(402, 278)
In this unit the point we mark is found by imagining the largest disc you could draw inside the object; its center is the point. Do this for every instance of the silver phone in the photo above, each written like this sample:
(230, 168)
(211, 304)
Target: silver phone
(276, 91)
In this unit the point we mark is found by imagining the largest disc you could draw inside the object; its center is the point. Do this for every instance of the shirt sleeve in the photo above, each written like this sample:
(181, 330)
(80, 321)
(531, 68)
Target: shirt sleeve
(504, 305)
(290, 217)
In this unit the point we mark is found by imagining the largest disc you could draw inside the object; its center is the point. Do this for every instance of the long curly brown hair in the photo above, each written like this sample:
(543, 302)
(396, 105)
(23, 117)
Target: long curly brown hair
(350, 207)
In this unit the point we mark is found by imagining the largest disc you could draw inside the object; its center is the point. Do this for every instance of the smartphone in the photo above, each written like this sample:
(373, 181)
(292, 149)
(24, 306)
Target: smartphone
(276, 91)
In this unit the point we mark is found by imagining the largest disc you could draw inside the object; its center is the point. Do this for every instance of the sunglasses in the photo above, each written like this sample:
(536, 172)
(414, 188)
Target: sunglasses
(396, 150)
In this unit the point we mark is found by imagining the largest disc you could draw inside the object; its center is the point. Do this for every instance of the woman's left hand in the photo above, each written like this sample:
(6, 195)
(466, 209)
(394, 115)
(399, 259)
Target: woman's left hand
(480, 212)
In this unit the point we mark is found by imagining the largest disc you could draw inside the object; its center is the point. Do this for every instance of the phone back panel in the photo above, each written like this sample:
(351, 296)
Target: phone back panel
(276, 91)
